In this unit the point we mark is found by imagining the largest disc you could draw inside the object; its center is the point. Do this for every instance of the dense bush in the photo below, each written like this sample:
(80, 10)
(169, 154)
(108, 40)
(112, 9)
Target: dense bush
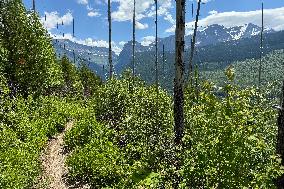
(72, 81)
(136, 136)
(31, 66)
(95, 159)
(142, 120)
(89, 80)
(231, 140)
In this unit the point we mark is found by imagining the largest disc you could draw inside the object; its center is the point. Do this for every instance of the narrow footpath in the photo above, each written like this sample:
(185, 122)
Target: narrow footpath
(53, 165)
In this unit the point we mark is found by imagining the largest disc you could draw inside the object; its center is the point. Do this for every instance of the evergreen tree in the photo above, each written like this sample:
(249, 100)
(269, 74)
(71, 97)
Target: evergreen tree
(71, 77)
(89, 80)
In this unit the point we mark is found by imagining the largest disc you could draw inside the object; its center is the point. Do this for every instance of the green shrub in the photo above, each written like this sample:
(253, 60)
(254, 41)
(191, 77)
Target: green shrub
(32, 66)
(99, 163)
(137, 129)
(231, 141)
(142, 121)
(84, 130)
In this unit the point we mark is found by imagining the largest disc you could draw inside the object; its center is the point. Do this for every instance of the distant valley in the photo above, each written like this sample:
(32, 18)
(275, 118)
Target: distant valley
(215, 43)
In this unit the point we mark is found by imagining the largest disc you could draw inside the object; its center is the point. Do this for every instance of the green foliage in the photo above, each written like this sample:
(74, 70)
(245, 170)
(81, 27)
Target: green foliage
(4, 90)
(31, 65)
(231, 141)
(89, 80)
(25, 126)
(246, 72)
(95, 158)
(84, 130)
(142, 120)
(123, 134)
(136, 136)
(73, 85)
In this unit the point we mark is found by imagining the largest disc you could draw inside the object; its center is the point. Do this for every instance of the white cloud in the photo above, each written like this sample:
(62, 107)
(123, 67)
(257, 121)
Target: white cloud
(94, 14)
(169, 18)
(90, 42)
(171, 29)
(146, 41)
(141, 26)
(52, 18)
(89, 8)
(213, 12)
(144, 9)
(273, 18)
(82, 2)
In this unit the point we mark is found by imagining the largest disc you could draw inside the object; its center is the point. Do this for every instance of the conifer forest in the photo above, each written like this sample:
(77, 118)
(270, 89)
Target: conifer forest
(200, 108)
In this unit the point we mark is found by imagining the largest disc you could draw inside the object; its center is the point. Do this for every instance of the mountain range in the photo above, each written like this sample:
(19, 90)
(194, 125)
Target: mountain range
(207, 38)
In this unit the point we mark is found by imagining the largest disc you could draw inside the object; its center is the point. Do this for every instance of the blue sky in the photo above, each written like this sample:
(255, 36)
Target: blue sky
(91, 25)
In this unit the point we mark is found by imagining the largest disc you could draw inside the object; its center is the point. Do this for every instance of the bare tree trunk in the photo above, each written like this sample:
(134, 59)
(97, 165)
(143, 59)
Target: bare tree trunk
(192, 10)
(261, 48)
(179, 88)
(34, 7)
(110, 46)
(179, 72)
(280, 137)
(133, 40)
(164, 60)
(193, 41)
(73, 27)
(156, 46)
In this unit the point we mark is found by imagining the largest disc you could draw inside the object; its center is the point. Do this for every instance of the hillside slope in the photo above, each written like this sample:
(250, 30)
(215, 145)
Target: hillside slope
(220, 55)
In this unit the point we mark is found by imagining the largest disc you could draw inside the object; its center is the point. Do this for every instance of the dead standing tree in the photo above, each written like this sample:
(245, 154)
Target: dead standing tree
(34, 7)
(133, 40)
(261, 47)
(193, 41)
(179, 86)
(109, 43)
(156, 48)
(164, 61)
(73, 27)
(179, 72)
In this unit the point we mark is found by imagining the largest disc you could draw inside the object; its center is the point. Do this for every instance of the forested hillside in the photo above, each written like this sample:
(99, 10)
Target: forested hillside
(247, 71)
(218, 49)
(123, 133)
(217, 57)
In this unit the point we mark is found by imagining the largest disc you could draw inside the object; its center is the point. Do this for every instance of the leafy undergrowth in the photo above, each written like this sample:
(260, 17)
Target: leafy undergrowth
(229, 141)
(128, 143)
(26, 125)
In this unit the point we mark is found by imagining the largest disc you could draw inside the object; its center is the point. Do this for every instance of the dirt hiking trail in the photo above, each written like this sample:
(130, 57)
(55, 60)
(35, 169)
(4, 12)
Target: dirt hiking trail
(53, 165)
